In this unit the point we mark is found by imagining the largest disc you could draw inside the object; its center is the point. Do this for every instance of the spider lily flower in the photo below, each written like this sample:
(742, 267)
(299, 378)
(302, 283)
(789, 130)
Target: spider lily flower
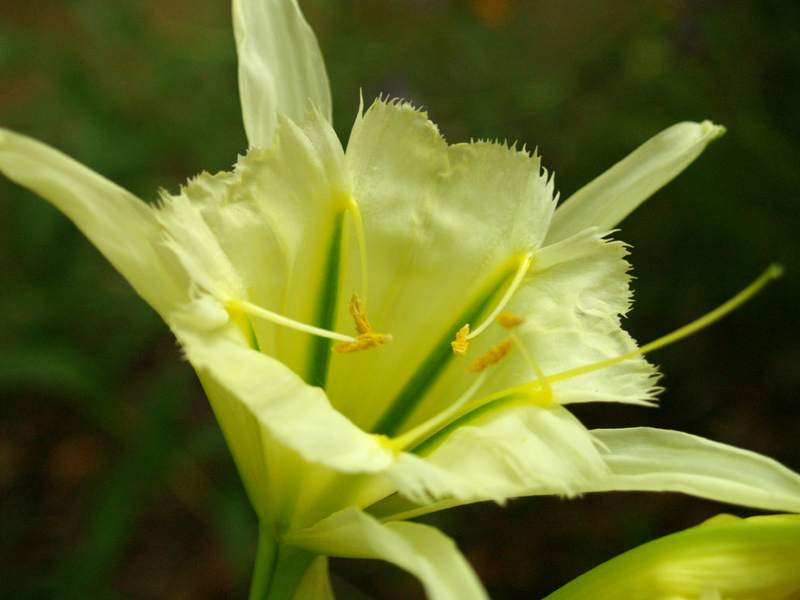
(349, 316)
(723, 558)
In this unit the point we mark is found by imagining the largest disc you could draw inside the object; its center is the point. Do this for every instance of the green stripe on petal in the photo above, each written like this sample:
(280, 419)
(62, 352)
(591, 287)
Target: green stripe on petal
(319, 355)
(478, 415)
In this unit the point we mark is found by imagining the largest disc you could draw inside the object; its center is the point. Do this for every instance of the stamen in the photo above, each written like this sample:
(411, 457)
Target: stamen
(494, 355)
(547, 391)
(538, 392)
(508, 320)
(257, 311)
(366, 338)
(773, 272)
(461, 343)
(524, 265)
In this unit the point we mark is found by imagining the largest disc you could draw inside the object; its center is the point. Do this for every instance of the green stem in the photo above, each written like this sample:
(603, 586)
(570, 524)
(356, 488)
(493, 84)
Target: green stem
(278, 568)
(266, 557)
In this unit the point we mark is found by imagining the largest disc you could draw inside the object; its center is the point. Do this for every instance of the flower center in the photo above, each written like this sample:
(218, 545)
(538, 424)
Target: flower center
(403, 406)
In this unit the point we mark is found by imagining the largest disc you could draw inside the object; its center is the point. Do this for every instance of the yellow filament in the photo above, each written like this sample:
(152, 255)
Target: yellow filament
(421, 432)
(355, 212)
(257, 311)
(773, 272)
(547, 391)
(366, 338)
(524, 265)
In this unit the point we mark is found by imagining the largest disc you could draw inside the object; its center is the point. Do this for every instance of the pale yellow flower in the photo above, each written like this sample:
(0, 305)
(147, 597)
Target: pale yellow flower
(725, 558)
(260, 272)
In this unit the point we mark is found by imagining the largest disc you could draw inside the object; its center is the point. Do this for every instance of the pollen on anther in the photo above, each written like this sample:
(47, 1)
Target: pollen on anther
(461, 342)
(494, 355)
(508, 320)
(359, 315)
(366, 338)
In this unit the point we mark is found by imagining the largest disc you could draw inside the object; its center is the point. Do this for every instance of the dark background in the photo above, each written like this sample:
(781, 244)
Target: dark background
(114, 479)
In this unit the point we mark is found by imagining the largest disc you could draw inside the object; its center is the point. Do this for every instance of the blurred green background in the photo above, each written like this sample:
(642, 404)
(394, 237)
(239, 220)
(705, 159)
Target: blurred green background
(114, 479)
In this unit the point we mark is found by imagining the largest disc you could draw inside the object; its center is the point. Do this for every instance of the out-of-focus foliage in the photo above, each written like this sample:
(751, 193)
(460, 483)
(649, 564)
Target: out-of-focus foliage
(115, 481)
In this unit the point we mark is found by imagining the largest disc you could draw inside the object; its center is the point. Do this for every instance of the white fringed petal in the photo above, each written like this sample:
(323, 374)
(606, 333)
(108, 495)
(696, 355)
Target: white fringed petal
(572, 300)
(503, 455)
(280, 67)
(423, 551)
(119, 224)
(294, 413)
(316, 582)
(657, 460)
(604, 202)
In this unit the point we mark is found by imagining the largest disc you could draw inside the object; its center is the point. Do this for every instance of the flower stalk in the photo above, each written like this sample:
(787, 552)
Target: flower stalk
(265, 563)
(278, 568)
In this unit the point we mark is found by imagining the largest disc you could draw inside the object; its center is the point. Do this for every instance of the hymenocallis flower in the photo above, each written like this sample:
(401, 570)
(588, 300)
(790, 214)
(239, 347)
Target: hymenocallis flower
(724, 558)
(396, 329)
